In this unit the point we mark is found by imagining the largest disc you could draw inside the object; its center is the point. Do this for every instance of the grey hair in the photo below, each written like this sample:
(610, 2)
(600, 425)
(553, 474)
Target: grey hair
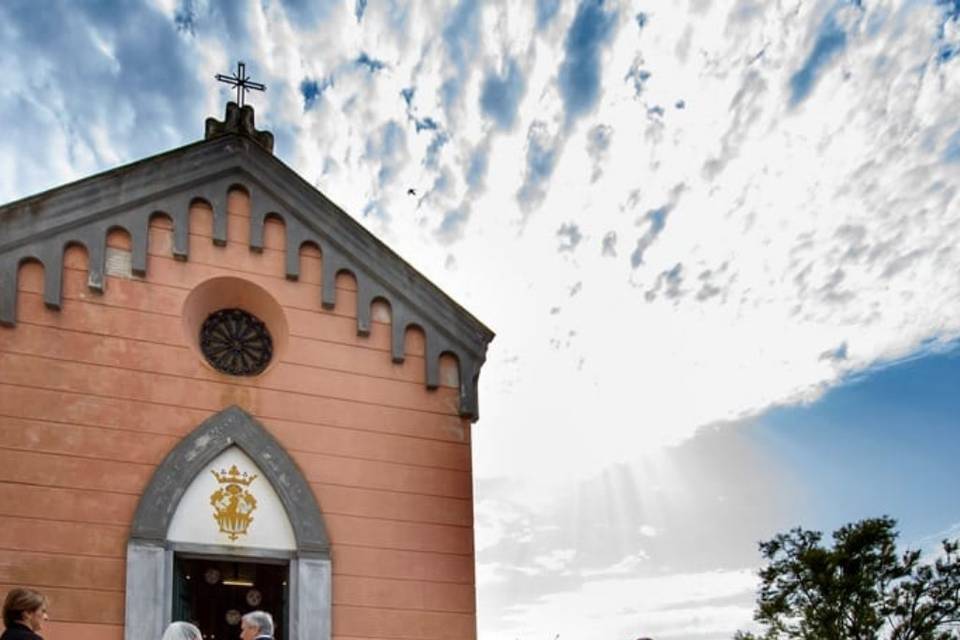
(182, 631)
(261, 620)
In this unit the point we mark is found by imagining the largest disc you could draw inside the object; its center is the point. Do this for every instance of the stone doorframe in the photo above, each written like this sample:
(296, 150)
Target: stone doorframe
(150, 555)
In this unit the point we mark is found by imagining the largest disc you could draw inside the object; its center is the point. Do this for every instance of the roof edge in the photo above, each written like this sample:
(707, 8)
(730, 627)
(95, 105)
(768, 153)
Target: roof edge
(42, 225)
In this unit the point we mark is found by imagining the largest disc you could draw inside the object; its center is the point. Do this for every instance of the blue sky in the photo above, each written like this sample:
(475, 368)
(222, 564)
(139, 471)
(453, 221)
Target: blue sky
(718, 242)
(884, 442)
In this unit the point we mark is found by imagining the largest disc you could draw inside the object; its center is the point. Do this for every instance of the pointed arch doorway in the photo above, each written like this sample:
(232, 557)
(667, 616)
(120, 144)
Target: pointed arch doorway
(183, 533)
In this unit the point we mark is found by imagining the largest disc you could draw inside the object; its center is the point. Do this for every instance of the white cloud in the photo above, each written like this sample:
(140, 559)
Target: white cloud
(796, 231)
(490, 574)
(628, 566)
(556, 560)
(496, 519)
(668, 606)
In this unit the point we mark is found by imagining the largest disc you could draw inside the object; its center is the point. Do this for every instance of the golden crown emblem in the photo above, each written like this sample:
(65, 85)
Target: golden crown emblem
(233, 476)
(233, 505)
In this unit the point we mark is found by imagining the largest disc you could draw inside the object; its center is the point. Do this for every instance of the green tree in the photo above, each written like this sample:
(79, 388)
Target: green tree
(857, 589)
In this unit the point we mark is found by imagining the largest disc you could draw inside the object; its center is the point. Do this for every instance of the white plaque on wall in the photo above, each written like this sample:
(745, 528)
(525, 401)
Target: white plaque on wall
(231, 503)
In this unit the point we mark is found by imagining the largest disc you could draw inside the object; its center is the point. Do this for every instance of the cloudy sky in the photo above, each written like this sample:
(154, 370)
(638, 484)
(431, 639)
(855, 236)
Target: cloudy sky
(719, 243)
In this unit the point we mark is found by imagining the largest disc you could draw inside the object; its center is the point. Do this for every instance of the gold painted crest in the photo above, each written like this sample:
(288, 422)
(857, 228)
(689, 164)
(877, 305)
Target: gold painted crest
(233, 505)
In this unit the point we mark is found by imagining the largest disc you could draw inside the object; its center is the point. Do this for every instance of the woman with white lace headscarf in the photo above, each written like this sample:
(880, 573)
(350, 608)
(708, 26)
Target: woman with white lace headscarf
(182, 631)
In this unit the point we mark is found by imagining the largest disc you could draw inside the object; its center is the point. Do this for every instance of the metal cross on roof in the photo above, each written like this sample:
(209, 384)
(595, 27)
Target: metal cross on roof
(242, 82)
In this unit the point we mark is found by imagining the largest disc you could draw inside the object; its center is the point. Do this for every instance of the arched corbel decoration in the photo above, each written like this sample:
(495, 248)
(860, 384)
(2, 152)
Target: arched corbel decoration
(150, 554)
(208, 172)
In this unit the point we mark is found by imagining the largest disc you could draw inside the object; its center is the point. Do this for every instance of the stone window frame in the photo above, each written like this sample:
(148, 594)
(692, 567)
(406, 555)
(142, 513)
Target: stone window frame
(148, 602)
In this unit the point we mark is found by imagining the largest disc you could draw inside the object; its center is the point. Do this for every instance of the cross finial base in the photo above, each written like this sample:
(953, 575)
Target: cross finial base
(238, 120)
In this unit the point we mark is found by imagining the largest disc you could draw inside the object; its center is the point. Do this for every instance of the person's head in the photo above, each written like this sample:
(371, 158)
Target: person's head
(182, 631)
(256, 623)
(26, 606)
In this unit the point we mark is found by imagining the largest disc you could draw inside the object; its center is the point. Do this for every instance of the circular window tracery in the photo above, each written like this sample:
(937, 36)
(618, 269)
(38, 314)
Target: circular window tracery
(236, 342)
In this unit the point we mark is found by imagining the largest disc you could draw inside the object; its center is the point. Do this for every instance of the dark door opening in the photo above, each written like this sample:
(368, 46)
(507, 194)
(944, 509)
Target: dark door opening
(214, 593)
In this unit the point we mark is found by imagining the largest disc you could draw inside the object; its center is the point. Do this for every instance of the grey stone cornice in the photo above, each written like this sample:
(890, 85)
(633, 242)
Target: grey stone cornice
(84, 212)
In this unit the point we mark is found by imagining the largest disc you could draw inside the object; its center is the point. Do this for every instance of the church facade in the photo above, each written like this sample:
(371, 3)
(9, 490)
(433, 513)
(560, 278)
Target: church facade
(219, 393)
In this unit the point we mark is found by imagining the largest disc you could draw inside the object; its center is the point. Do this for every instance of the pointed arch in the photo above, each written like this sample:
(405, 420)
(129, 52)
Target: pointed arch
(231, 427)
(150, 556)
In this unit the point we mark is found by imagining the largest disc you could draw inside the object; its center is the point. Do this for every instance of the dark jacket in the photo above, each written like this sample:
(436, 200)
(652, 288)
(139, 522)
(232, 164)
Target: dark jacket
(17, 631)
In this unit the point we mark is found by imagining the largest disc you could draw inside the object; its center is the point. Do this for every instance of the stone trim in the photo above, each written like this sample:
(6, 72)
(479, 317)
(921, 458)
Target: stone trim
(149, 588)
(149, 579)
(231, 427)
(311, 588)
(149, 604)
(42, 227)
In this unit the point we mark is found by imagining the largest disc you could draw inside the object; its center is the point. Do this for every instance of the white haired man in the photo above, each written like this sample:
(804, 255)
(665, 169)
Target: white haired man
(256, 624)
